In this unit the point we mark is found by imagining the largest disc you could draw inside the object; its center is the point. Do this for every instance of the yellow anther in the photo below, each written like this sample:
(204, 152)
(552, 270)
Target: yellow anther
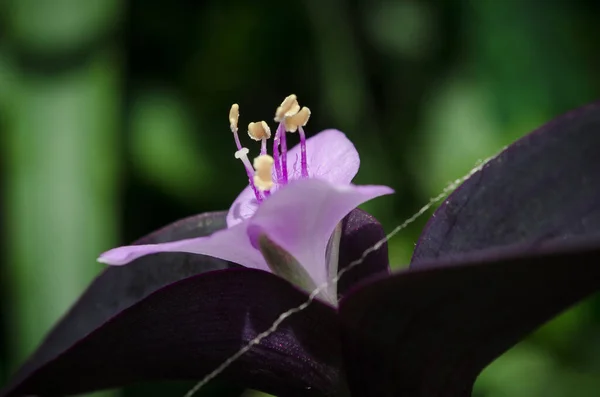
(288, 107)
(298, 120)
(259, 130)
(234, 116)
(263, 176)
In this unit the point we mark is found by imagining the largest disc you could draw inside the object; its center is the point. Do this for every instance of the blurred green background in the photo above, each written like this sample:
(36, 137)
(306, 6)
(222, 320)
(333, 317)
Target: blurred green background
(114, 123)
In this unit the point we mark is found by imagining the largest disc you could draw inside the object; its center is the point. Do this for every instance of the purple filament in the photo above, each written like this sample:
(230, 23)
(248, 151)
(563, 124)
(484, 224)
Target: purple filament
(303, 161)
(276, 153)
(284, 174)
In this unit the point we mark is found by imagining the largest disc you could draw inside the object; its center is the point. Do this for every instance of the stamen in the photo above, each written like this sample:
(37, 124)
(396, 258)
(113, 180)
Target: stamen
(242, 154)
(263, 146)
(288, 107)
(234, 116)
(300, 119)
(295, 123)
(260, 131)
(276, 152)
(284, 174)
(263, 177)
(303, 161)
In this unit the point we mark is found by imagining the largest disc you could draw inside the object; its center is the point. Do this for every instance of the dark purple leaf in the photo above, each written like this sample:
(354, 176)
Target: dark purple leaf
(117, 288)
(134, 324)
(188, 328)
(505, 253)
(360, 231)
(429, 332)
(545, 186)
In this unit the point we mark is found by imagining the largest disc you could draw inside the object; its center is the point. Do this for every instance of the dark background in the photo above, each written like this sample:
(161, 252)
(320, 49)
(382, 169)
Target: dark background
(114, 123)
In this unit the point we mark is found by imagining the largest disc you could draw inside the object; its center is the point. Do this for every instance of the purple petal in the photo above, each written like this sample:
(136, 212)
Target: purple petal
(330, 156)
(186, 329)
(302, 216)
(231, 244)
(544, 187)
(244, 206)
(430, 331)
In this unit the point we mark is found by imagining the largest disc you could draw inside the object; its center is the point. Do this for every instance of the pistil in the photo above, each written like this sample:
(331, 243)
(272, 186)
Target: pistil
(242, 154)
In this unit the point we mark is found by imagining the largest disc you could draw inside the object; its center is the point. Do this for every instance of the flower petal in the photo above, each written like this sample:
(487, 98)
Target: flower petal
(230, 244)
(430, 331)
(544, 186)
(330, 156)
(302, 216)
(244, 206)
(186, 329)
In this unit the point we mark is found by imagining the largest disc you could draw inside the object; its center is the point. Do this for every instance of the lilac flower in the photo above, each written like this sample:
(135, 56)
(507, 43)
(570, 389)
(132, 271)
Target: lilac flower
(296, 209)
(514, 245)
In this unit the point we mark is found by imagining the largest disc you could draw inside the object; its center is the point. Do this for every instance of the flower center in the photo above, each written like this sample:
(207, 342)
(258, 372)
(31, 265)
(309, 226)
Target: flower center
(291, 118)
